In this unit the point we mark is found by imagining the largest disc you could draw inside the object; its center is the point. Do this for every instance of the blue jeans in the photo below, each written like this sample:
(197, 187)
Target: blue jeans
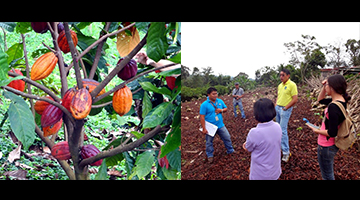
(326, 161)
(225, 137)
(240, 108)
(282, 117)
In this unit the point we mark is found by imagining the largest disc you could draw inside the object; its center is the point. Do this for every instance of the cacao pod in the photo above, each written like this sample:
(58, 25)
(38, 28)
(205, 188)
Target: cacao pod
(170, 81)
(43, 66)
(122, 100)
(51, 130)
(61, 151)
(41, 105)
(39, 27)
(68, 96)
(129, 70)
(81, 104)
(92, 84)
(17, 84)
(88, 151)
(51, 115)
(63, 43)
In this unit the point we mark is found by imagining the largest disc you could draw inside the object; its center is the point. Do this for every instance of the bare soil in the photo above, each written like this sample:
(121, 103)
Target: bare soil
(302, 165)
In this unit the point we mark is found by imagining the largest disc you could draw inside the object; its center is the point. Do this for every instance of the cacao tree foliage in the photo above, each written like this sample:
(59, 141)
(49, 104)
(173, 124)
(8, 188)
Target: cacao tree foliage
(155, 141)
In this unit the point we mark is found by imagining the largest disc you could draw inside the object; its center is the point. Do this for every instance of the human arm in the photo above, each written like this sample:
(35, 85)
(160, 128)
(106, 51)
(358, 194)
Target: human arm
(219, 110)
(292, 102)
(322, 93)
(145, 60)
(202, 122)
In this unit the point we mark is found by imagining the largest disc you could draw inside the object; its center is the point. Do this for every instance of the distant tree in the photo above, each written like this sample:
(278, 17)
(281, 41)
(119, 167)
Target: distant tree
(353, 48)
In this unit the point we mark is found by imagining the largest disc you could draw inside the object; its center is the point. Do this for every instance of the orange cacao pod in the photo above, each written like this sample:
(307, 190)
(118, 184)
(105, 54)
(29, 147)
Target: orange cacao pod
(68, 96)
(122, 100)
(17, 84)
(92, 84)
(51, 130)
(81, 104)
(43, 66)
(41, 105)
(61, 151)
(63, 43)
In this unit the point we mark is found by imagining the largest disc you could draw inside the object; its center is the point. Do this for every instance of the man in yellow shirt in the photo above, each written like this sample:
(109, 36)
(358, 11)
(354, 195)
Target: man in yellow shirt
(287, 97)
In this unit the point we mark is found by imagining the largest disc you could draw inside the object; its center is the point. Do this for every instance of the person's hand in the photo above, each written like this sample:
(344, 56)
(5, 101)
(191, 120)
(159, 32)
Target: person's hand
(218, 110)
(243, 146)
(324, 82)
(143, 58)
(312, 128)
(204, 131)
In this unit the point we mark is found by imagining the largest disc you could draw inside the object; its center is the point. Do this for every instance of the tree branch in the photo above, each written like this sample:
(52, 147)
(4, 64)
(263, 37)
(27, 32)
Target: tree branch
(42, 87)
(30, 96)
(99, 40)
(28, 73)
(121, 148)
(121, 85)
(118, 67)
(98, 51)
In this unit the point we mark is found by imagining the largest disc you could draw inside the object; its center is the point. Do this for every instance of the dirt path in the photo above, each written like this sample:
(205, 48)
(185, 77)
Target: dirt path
(303, 144)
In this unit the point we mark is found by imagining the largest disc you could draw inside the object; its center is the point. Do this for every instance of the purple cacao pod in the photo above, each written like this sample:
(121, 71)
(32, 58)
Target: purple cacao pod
(88, 151)
(39, 27)
(129, 70)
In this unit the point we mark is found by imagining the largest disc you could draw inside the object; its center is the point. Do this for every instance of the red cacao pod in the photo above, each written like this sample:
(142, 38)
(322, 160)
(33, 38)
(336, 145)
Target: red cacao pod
(63, 43)
(43, 66)
(92, 84)
(41, 105)
(170, 81)
(88, 151)
(61, 151)
(51, 115)
(17, 84)
(39, 27)
(129, 70)
(122, 100)
(81, 104)
(51, 130)
(67, 98)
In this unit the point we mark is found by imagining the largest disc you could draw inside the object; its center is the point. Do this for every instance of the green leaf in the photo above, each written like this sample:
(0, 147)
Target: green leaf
(156, 41)
(173, 139)
(176, 58)
(152, 88)
(101, 175)
(4, 66)
(147, 105)
(174, 158)
(9, 26)
(157, 115)
(23, 27)
(175, 71)
(137, 134)
(15, 52)
(143, 164)
(21, 120)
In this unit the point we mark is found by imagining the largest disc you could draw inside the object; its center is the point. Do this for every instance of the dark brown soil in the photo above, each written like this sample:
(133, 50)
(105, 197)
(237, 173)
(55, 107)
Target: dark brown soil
(303, 163)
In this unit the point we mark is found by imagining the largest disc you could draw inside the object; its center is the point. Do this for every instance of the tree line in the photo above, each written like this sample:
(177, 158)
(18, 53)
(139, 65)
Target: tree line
(307, 58)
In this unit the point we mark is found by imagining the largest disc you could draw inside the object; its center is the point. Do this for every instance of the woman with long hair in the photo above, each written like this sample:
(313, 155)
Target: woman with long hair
(335, 86)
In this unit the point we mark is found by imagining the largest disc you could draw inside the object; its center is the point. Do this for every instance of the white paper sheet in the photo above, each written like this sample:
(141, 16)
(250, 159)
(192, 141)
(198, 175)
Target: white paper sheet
(211, 128)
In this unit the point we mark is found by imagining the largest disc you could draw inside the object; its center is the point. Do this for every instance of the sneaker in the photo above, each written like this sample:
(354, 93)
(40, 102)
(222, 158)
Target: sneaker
(286, 157)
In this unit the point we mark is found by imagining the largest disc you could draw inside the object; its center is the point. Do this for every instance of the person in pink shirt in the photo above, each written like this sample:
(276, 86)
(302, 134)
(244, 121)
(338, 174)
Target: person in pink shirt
(264, 143)
(335, 86)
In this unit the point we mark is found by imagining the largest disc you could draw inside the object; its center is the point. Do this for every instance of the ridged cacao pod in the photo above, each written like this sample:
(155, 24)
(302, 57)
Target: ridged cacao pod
(51, 115)
(122, 100)
(17, 84)
(81, 104)
(61, 151)
(39, 27)
(68, 96)
(92, 84)
(51, 130)
(88, 151)
(41, 105)
(129, 70)
(62, 41)
(43, 66)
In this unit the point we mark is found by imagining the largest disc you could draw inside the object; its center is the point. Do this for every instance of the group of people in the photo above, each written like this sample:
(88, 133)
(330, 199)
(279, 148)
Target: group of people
(269, 139)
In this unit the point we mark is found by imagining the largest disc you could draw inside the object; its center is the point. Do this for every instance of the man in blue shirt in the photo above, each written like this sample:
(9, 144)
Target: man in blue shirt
(211, 111)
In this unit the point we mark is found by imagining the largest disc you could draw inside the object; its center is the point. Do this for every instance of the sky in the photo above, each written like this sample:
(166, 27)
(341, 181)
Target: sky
(234, 47)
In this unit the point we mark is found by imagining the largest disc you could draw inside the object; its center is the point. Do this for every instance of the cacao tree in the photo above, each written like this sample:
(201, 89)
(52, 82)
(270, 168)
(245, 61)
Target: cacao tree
(155, 140)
